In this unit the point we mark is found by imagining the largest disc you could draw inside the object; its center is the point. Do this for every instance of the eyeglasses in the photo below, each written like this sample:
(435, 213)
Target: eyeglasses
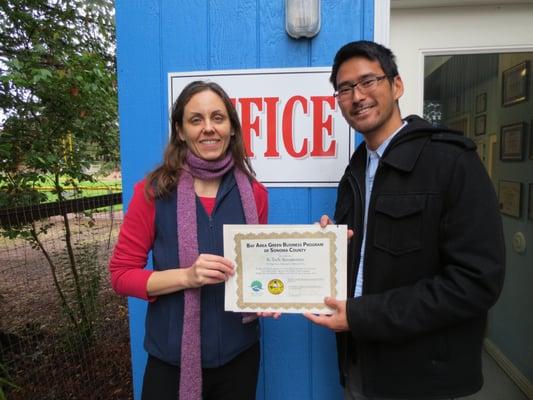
(364, 86)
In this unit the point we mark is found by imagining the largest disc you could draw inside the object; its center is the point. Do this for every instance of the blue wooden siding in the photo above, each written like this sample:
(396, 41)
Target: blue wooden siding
(160, 36)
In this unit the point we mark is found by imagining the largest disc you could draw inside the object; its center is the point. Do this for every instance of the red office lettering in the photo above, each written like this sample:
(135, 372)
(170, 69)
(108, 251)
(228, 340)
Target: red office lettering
(272, 118)
(246, 120)
(287, 126)
(320, 125)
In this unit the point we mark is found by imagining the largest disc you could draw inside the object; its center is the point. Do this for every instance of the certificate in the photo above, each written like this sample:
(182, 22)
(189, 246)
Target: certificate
(285, 268)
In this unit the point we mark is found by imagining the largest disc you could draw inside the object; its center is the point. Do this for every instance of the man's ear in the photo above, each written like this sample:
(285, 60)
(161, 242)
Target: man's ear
(397, 87)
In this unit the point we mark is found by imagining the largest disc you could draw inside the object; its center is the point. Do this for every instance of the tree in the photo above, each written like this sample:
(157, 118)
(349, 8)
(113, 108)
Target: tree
(58, 98)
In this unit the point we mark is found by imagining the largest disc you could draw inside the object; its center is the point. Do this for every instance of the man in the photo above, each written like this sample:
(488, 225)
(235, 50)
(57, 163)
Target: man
(426, 260)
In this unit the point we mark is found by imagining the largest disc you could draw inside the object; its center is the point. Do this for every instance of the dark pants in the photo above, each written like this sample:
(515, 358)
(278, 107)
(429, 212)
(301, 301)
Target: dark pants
(234, 380)
(353, 389)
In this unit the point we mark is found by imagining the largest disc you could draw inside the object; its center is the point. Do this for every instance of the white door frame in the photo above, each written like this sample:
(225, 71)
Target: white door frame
(382, 22)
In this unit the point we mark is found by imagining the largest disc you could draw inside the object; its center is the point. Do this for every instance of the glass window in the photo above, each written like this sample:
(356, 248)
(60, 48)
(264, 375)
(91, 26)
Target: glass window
(488, 97)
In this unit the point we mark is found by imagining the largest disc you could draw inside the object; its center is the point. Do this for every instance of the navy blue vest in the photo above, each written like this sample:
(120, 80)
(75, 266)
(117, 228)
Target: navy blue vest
(223, 334)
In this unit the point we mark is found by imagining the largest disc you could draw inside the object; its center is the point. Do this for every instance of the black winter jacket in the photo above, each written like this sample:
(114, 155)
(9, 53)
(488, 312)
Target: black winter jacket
(434, 265)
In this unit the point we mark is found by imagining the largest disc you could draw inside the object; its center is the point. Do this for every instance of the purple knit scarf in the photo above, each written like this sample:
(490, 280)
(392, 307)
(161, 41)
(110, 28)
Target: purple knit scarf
(191, 360)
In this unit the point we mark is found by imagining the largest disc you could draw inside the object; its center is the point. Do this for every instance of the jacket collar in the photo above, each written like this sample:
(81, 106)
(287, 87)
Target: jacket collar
(228, 182)
(403, 151)
(357, 165)
(398, 155)
(403, 154)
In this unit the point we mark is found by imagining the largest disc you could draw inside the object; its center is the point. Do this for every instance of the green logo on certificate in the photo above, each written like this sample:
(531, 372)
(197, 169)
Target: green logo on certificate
(275, 286)
(256, 286)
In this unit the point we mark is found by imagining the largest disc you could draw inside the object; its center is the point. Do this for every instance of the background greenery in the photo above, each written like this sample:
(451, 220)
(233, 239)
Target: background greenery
(58, 138)
(58, 95)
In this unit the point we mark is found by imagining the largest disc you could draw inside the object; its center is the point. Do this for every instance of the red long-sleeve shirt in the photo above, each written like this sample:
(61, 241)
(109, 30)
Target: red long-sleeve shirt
(128, 276)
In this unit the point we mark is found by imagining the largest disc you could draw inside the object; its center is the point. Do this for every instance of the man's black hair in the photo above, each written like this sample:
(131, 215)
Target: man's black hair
(371, 51)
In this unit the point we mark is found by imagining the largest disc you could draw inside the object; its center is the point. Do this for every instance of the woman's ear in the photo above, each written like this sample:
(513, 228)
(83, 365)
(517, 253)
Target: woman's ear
(180, 135)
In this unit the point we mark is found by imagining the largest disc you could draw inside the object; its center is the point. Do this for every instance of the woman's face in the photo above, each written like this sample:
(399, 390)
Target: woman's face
(206, 126)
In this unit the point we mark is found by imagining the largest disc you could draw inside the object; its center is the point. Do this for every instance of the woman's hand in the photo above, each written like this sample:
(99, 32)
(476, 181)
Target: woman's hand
(209, 269)
(268, 314)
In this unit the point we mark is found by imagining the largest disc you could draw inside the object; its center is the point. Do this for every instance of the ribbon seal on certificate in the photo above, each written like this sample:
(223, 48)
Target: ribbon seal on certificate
(287, 268)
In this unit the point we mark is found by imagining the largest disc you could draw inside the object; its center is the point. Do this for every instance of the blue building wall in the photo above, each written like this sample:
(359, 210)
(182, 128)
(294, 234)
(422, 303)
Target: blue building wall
(156, 37)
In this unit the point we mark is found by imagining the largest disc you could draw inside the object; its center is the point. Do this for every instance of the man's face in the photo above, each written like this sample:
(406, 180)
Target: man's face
(374, 112)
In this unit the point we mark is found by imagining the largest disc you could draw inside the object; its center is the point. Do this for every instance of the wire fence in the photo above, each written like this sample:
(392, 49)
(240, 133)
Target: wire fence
(63, 332)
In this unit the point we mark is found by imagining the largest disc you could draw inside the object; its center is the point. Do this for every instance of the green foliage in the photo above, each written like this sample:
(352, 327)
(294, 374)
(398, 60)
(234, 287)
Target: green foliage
(107, 167)
(58, 92)
(90, 279)
(58, 101)
(5, 382)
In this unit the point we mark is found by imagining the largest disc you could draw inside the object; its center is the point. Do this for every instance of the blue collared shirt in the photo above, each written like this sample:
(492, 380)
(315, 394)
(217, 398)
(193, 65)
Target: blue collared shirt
(372, 162)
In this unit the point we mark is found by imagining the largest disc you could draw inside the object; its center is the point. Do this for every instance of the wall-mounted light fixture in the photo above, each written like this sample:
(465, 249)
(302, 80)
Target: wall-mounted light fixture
(302, 18)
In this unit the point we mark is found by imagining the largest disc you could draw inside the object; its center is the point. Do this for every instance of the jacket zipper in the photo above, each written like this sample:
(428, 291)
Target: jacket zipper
(356, 189)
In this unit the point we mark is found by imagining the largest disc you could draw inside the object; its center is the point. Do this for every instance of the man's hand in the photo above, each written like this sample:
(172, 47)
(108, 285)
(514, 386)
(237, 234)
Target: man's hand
(325, 221)
(336, 321)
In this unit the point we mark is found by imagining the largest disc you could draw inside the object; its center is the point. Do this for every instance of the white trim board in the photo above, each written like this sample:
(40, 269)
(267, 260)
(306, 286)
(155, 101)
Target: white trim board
(382, 22)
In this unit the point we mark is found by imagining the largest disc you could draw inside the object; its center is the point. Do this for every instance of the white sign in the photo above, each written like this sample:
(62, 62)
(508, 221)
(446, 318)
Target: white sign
(293, 129)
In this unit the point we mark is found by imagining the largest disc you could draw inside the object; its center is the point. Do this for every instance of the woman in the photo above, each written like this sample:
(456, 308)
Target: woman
(194, 346)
